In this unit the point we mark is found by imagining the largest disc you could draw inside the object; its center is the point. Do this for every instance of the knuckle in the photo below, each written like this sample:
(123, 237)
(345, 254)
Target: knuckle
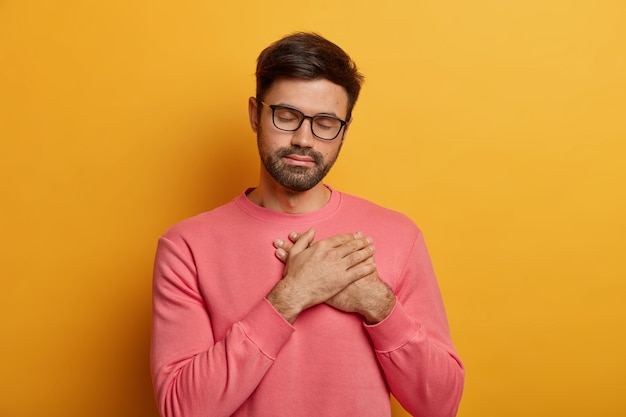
(357, 257)
(323, 244)
(348, 237)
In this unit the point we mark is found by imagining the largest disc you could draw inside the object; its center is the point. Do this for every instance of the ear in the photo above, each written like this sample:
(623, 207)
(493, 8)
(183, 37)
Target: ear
(253, 114)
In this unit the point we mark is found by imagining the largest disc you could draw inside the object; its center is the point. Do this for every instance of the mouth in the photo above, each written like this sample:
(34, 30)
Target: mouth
(299, 160)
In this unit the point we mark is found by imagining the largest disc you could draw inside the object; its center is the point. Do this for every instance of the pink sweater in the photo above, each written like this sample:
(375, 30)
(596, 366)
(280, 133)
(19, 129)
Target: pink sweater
(220, 349)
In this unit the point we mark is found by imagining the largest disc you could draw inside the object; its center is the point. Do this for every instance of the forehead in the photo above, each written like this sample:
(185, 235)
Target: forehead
(311, 96)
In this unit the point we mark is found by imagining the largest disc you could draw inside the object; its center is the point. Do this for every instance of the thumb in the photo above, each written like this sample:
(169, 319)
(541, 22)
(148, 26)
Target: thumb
(304, 240)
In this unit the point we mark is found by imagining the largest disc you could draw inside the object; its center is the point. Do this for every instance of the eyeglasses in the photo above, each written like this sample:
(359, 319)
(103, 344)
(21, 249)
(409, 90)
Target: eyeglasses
(289, 119)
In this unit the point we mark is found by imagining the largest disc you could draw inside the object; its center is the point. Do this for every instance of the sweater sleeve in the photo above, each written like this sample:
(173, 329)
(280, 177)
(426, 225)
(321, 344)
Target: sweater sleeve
(413, 343)
(193, 374)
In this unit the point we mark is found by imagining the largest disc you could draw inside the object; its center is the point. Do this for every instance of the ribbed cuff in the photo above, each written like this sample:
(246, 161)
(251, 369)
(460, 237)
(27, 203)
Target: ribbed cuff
(266, 328)
(394, 331)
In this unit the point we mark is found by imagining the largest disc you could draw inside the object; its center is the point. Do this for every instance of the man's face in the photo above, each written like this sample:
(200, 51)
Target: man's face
(298, 160)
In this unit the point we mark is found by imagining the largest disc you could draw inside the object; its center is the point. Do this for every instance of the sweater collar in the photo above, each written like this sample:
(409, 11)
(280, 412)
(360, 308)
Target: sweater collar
(271, 216)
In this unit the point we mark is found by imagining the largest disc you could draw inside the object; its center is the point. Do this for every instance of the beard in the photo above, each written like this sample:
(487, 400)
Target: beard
(296, 178)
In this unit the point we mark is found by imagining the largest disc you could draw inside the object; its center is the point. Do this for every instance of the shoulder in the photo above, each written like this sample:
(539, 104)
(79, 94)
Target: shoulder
(197, 224)
(376, 214)
(359, 204)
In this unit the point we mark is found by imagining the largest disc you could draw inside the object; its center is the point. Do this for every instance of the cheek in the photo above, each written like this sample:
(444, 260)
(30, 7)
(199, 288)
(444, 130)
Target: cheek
(332, 151)
(269, 132)
(271, 139)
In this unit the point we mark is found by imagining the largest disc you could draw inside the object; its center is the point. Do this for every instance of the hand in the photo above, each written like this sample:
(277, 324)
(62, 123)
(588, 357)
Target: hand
(368, 296)
(316, 271)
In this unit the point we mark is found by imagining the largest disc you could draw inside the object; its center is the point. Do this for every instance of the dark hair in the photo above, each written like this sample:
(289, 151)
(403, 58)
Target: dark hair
(307, 56)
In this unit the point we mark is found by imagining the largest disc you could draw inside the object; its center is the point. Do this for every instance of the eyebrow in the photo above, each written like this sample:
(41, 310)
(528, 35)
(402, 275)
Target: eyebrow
(316, 114)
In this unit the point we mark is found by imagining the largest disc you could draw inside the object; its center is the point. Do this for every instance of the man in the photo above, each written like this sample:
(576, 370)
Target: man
(295, 299)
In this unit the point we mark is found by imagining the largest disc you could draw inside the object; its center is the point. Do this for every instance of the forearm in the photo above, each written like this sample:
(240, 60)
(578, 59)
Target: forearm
(219, 380)
(195, 372)
(413, 343)
(369, 297)
(377, 306)
(424, 375)
(283, 299)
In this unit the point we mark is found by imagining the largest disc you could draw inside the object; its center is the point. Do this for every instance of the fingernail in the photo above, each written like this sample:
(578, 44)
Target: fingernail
(293, 235)
(278, 243)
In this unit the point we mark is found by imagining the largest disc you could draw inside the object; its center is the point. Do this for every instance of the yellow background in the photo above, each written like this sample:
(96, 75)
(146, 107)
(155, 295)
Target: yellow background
(497, 125)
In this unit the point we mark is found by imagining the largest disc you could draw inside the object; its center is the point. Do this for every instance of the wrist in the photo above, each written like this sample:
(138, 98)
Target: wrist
(283, 302)
(380, 309)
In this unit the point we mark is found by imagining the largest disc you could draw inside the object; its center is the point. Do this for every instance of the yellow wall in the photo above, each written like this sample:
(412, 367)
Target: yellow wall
(497, 125)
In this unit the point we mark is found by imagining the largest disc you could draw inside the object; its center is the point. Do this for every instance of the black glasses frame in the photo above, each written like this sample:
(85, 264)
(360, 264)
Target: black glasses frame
(304, 116)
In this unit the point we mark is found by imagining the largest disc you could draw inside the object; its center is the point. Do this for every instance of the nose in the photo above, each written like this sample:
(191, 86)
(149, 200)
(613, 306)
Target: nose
(303, 136)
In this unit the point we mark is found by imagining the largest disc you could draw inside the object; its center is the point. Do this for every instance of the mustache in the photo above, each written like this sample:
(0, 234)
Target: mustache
(292, 150)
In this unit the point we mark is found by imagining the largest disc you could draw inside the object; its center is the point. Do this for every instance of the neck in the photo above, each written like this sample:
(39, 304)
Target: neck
(273, 196)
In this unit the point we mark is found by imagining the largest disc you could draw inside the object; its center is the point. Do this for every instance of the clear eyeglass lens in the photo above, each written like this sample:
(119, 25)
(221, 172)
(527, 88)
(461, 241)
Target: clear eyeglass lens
(286, 118)
(289, 119)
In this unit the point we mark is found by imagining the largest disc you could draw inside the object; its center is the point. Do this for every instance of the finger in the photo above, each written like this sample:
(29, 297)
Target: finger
(281, 254)
(294, 236)
(303, 241)
(341, 239)
(363, 256)
(361, 270)
(283, 244)
(355, 245)
(360, 256)
(282, 249)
